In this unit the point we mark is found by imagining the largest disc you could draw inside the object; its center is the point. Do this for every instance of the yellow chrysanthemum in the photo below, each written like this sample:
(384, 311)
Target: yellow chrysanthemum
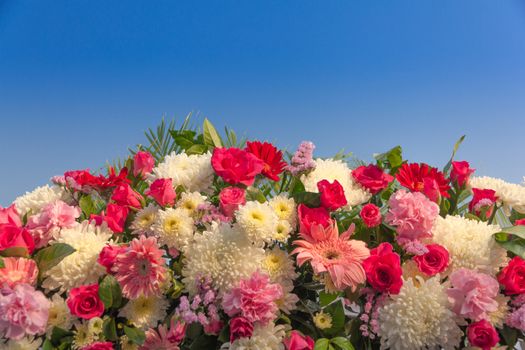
(323, 320)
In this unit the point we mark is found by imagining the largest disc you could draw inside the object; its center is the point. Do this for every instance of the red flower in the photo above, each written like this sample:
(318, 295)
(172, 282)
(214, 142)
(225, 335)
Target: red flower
(240, 328)
(423, 178)
(371, 215)
(434, 261)
(84, 181)
(108, 254)
(312, 216)
(372, 178)
(383, 269)
(12, 236)
(115, 217)
(143, 163)
(99, 345)
(124, 195)
(230, 199)
(297, 341)
(84, 302)
(332, 194)
(461, 172)
(270, 155)
(520, 222)
(482, 334)
(162, 191)
(512, 277)
(236, 165)
(482, 199)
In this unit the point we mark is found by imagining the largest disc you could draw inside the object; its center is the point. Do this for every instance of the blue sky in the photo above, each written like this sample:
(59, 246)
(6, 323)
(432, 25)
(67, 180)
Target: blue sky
(81, 80)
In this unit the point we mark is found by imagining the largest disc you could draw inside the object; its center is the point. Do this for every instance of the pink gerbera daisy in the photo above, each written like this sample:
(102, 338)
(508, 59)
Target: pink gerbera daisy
(333, 254)
(140, 269)
(18, 270)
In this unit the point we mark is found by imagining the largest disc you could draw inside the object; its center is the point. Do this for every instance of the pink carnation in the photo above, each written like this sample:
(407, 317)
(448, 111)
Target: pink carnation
(254, 299)
(18, 270)
(23, 311)
(413, 214)
(472, 294)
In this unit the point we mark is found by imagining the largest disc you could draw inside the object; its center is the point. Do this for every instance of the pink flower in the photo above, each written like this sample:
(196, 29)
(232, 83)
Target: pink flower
(141, 268)
(461, 172)
(337, 255)
(124, 195)
(482, 199)
(371, 215)
(84, 302)
(309, 217)
(230, 199)
(332, 194)
(302, 160)
(24, 311)
(163, 338)
(236, 166)
(240, 327)
(143, 163)
(297, 341)
(18, 270)
(13, 236)
(482, 334)
(162, 191)
(372, 177)
(472, 294)
(108, 255)
(383, 269)
(413, 214)
(99, 345)
(115, 217)
(434, 261)
(10, 216)
(254, 299)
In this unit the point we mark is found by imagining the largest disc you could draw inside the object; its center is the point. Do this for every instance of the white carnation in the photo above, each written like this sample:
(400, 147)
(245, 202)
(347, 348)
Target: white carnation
(509, 194)
(258, 221)
(41, 196)
(174, 228)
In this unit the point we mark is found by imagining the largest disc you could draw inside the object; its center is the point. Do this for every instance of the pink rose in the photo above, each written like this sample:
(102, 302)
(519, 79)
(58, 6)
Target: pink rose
(162, 191)
(10, 216)
(332, 194)
(371, 215)
(108, 254)
(124, 195)
(461, 172)
(312, 216)
(236, 166)
(434, 261)
(372, 177)
(297, 341)
(99, 345)
(240, 328)
(13, 236)
(84, 302)
(230, 199)
(482, 334)
(143, 163)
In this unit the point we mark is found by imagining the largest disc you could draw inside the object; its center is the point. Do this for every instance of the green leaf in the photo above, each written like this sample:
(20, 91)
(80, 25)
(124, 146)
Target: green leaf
(47, 345)
(342, 343)
(211, 137)
(516, 246)
(87, 205)
(224, 335)
(336, 310)
(255, 194)
(197, 149)
(327, 298)
(49, 257)
(321, 344)
(510, 335)
(2, 265)
(109, 292)
(456, 147)
(15, 251)
(109, 329)
(310, 199)
(135, 335)
(58, 334)
(392, 158)
(518, 231)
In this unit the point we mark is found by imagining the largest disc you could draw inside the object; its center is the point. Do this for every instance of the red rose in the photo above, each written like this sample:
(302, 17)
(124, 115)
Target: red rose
(482, 199)
(115, 217)
(482, 334)
(10, 216)
(312, 216)
(84, 302)
(372, 178)
(383, 269)
(143, 163)
(512, 277)
(434, 261)
(236, 166)
(520, 222)
(332, 194)
(297, 341)
(270, 155)
(12, 236)
(125, 195)
(108, 254)
(461, 172)
(106, 345)
(240, 328)
(371, 215)
(162, 191)
(230, 199)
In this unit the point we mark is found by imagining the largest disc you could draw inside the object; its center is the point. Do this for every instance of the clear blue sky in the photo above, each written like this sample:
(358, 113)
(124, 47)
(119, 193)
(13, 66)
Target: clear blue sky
(81, 80)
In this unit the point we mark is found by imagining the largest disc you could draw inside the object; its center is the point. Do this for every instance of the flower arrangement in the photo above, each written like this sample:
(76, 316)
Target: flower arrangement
(198, 241)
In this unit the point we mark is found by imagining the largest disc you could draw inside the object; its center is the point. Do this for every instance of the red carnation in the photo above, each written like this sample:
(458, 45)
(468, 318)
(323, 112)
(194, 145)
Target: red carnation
(482, 199)
(372, 177)
(236, 166)
(124, 195)
(519, 222)
(240, 327)
(270, 155)
(162, 191)
(423, 178)
(383, 269)
(461, 172)
(332, 194)
(434, 261)
(115, 217)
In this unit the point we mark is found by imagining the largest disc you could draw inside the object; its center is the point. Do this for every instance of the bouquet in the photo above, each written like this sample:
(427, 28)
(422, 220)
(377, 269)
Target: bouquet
(205, 241)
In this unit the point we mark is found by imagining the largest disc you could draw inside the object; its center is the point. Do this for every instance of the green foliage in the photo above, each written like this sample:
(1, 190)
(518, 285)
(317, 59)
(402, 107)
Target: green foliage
(512, 239)
(109, 329)
(211, 137)
(446, 169)
(50, 256)
(392, 159)
(336, 311)
(109, 292)
(327, 298)
(310, 199)
(135, 335)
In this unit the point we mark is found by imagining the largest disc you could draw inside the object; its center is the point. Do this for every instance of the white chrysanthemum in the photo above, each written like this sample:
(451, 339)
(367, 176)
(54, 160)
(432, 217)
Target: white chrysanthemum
(145, 312)
(282, 231)
(83, 336)
(418, 317)
(34, 201)
(285, 208)
(193, 172)
(81, 266)
(509, 194)
(144, 220)
(224, 254)
(498, 317)
(189, 202)
(269, 337)
(59, 315)
(331, 170)
(26, 343)
(278, 265)
(174, 228)
(470, 244)
(258, 221)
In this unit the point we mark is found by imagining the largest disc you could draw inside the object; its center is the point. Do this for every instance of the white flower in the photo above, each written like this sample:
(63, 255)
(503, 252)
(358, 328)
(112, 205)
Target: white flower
(189, 201)
(81, 266)
(144, 220)
(279, 267)
(26, 343)
(331, 170)
(41, 196)
(285, 208)
(83, 336)
(282, 231)
(268, 337)
(258, 221)
(418, 318)
(193, 172)
(59, 315)
(509, 194)
(470, 244)
(224, 254)
(145, 312)
(174, 228)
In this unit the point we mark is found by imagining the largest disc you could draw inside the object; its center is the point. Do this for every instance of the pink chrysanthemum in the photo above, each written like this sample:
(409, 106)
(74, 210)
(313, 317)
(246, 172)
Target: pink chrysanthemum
(337, 255)
(140, 269)
(18, 270)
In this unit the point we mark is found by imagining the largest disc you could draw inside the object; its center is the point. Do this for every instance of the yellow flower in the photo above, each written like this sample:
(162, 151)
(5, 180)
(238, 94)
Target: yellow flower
(322, 320)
